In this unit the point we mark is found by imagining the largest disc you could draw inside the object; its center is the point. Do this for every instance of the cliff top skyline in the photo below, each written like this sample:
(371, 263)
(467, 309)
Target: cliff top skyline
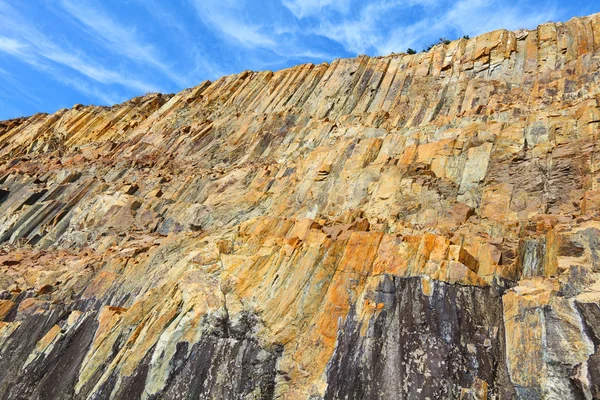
(375, 228)
(54, 55)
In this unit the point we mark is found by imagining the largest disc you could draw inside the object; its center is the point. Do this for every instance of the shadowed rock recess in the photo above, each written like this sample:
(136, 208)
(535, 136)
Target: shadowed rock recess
(403, 227)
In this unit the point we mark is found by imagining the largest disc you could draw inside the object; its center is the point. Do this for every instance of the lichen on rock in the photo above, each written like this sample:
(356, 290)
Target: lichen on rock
(407, 226)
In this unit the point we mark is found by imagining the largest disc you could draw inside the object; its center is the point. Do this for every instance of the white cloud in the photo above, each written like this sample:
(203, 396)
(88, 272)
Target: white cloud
(11, 46)
(16, 87)
(91, 90)
(117, 38)
(283, 40)
(202, 66)
(309, 8)
(24, 41)
(477, 16)
(221, 15)
(359, 35)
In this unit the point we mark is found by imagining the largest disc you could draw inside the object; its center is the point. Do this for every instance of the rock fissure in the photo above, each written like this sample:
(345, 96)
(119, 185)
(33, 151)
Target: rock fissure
(407, 226)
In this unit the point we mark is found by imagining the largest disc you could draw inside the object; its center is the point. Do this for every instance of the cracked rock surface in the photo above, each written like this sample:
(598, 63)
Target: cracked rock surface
(404, 227)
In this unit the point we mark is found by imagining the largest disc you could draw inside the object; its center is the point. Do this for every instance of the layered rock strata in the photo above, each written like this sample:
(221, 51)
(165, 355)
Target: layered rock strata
(408, 226)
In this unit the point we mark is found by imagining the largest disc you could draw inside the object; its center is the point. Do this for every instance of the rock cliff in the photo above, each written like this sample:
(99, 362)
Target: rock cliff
(411, 226)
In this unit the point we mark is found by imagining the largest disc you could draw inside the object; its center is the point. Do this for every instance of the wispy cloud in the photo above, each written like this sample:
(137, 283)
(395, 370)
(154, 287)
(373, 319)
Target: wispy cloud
(116, 37)
(310, 8)
(284, 39)
(104, 95)
(24, 41)
(224, 16)
(11, 46)
(15, 86)
(360, 34)
(202, 66)
(479, 16)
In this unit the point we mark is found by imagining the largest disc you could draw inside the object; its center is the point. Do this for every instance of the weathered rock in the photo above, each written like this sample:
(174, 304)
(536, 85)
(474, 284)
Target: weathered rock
(428, 340)
(407, 226)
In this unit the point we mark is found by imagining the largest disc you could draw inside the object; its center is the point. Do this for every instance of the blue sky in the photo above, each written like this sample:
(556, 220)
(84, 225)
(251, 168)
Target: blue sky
(56, 53)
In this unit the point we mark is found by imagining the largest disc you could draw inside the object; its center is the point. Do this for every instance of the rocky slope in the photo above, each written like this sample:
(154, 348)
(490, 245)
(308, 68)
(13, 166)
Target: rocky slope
(412, 226)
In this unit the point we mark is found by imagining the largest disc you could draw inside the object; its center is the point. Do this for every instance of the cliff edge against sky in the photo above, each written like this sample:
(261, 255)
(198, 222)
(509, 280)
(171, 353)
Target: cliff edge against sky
(409, 226)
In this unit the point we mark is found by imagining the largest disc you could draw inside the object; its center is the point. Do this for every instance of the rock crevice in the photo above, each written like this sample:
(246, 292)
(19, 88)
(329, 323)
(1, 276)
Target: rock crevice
(407, 226)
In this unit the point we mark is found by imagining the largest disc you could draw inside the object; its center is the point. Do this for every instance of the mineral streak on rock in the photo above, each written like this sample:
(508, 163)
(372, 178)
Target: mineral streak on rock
(409, 226)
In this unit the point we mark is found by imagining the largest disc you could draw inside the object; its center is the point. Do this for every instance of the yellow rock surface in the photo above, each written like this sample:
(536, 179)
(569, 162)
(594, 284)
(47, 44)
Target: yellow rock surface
(323, 231)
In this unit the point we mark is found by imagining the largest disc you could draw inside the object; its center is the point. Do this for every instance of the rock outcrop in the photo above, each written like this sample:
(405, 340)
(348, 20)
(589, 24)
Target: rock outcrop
(411, 226)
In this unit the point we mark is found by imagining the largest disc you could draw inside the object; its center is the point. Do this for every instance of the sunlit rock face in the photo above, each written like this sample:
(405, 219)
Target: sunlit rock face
(409, 226)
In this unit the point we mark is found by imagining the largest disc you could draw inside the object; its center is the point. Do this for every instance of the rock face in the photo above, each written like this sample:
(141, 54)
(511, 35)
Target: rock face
(410, 226)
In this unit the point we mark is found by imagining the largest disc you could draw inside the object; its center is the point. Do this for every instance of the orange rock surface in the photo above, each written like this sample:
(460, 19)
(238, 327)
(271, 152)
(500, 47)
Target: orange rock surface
(223, 241)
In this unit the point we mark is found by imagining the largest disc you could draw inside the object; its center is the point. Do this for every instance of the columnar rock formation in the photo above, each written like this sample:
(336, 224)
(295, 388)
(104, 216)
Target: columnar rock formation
(410, 226)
